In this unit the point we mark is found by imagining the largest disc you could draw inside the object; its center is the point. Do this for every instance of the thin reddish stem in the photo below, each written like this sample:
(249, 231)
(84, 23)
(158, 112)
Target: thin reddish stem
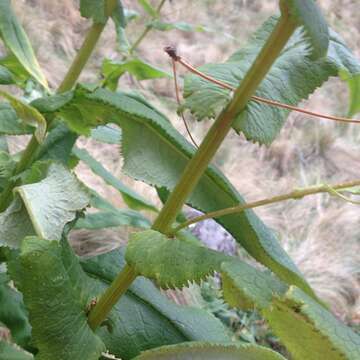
(262, 100)
(179, 103)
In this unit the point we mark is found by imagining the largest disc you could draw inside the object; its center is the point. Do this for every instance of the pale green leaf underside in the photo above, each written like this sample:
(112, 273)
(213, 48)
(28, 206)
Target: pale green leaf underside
(18, 43)
(308, 14)
(354, 85)
(292, 78)
(210, 351)
(54, 201)
(28, 114)
(59, 323)
(12, 352)
(157, 154)
(131, 198)
(172, 263)
(15, 224)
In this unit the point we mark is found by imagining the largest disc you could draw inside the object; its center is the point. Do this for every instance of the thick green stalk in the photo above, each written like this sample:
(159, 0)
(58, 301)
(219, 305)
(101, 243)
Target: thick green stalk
(69, 81)
(111, 296)
(199, 163)
(293, 195)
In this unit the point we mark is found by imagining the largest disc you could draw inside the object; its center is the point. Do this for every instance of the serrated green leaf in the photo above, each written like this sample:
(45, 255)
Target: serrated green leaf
(292, 78)
(28, 114)
(7, 165)
(142, 319)
(59, 322)
(18, 43)
(6, 77)
(106, 219)
(182, 26)
(309, 331)
(149, 9)
(142, 305)
(10, 351)
(172, 263)
(113, 70)
(132, 199)
(54, 201)
(157, 154)
(246, 287)
(10, 124)
(13, 314)
(308, 14)
(210, 351)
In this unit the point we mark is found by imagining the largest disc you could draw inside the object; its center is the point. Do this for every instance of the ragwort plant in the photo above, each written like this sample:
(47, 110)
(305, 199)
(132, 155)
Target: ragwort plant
(58, 306)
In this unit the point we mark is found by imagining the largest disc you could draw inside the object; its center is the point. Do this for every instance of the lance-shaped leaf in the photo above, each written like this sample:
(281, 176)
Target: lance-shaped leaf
(210, 351)
(157, 154)
(293, 77)
(54, 201)
(172, 263)
(309, 331)
(18, 43)
(13, 314)
(107, 219)
(308, 14)
(10, 124)
(144, 318)
(10, 351)
(28, 114)
(306, 328)
(132, 199)
(141, 70)
(59, 322)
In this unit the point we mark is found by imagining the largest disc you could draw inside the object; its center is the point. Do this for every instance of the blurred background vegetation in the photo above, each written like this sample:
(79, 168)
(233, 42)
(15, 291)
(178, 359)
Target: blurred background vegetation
(321, 234)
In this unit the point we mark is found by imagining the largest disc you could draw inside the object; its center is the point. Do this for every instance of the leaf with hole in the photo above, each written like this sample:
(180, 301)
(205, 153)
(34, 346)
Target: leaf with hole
(131, 198)
(293, 77)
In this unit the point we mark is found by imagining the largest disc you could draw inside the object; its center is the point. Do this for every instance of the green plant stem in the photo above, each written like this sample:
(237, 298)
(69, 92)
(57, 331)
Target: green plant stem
(199, 163)
(293, 195)
(146, 30)
(69, 81)
(111, 296)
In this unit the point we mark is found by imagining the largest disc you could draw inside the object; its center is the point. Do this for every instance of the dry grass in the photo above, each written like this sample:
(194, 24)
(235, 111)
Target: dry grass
(321, 234)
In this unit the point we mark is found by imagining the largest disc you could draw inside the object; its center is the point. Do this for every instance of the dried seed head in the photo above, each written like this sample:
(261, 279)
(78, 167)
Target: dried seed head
(171, 51)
